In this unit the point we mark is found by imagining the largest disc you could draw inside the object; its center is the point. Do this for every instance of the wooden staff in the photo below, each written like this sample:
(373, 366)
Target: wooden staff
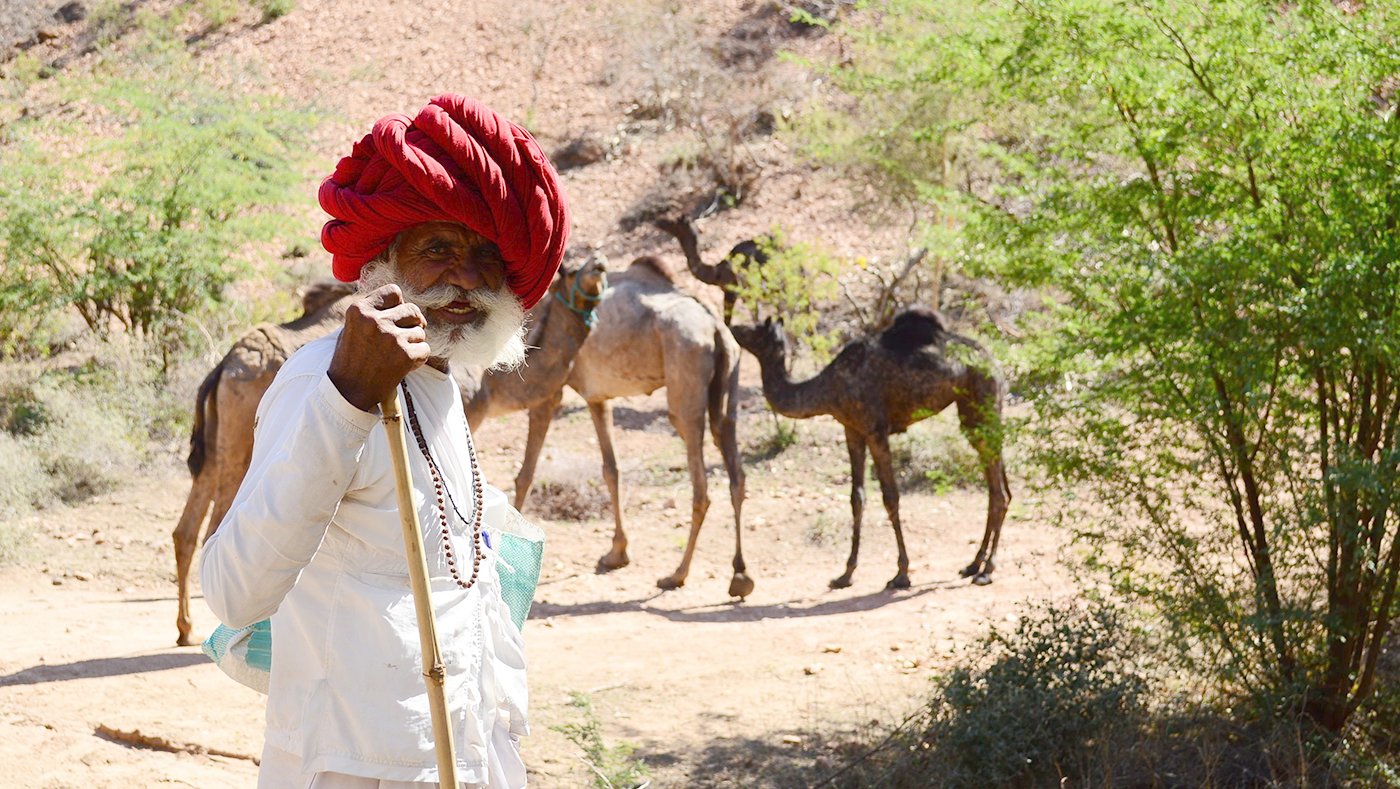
(434, 671)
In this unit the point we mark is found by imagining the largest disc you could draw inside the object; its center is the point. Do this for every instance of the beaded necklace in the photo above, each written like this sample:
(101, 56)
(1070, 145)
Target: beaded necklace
(444, 497)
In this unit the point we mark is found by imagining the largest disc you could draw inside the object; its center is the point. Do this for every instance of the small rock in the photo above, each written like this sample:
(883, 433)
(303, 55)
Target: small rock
(791, 739)
(894, 647)
(57, 581)
(82, 576)
(812, 670)
(834, 649)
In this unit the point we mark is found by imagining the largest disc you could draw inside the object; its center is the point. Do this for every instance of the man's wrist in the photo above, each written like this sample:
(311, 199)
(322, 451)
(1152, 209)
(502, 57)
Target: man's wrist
(354, 395)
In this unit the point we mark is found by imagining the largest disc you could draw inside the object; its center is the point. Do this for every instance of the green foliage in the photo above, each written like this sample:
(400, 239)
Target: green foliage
(217, 13)
(1050, 698)
(1209, 189)
(796, 284)
(136, 219)
(781, 436)
(935, 456)
(273, 9)
(613, 766)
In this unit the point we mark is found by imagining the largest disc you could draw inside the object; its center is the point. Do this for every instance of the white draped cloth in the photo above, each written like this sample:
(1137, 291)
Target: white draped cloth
(313, 540)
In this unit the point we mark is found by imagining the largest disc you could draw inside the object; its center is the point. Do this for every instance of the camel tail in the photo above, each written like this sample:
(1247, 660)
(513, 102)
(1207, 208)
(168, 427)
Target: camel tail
(202, 433)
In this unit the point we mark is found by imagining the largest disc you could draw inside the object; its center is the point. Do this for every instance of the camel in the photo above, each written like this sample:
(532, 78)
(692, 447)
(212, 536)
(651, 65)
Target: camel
(227, 401)
(650, 335)
(879, 386)
(728, 273)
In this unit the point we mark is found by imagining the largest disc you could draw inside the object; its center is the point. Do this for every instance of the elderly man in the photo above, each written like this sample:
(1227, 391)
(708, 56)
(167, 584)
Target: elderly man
(453, 223)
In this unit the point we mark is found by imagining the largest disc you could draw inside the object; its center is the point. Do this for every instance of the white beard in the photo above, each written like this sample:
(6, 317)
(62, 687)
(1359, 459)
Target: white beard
(495, 341)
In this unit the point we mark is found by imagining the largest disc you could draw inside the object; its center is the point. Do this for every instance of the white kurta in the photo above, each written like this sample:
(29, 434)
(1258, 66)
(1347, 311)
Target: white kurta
(313, 539)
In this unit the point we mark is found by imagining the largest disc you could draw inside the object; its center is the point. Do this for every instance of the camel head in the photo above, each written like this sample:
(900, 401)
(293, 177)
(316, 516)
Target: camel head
(580, 288)
(766, 340)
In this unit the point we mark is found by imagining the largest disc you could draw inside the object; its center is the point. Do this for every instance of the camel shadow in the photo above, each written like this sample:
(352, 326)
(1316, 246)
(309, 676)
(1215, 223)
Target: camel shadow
(102, 667)
(797, 608)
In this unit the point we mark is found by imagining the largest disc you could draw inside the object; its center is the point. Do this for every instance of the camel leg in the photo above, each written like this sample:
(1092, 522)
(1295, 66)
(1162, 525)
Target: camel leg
(889, 488)
(541, 414)
(726, 438)
(602, 425)
(690, 424)
(729, 300)
(185, 536)
(972, 418)
(855, 445)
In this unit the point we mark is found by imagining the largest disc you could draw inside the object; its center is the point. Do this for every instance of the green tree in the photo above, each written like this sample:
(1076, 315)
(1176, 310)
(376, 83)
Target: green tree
(1210, 193)
(135, 216)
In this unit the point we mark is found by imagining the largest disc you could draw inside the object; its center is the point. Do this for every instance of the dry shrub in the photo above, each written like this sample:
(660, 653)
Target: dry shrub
(685, 76)
(568, 491)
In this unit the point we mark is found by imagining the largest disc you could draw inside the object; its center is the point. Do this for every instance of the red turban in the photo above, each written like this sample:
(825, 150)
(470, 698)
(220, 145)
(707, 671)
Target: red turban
(458, 161)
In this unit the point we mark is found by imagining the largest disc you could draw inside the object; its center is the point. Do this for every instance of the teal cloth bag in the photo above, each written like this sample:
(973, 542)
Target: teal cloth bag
(244, 653)
(519, 554)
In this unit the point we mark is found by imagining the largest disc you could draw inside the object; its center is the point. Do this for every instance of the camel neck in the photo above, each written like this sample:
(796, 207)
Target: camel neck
(795, 399)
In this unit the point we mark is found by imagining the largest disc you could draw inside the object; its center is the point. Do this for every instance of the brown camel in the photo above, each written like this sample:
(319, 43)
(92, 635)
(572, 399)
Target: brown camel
(728, 273)
(228, 399)
(650, 335)
(879, 386)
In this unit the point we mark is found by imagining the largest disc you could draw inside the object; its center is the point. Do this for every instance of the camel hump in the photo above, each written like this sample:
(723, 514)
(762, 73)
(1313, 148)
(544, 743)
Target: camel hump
(319, 295)
(261, 351)
(912, 329)
(650, 264)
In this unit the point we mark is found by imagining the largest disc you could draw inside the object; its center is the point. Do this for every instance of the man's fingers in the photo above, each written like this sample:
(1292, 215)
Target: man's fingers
(404, 315)
(384, 297)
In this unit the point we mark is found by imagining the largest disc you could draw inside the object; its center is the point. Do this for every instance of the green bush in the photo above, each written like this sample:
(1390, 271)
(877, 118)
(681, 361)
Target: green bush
(1207, 189)
(137, 221)
(273, 9)
(1044, 702)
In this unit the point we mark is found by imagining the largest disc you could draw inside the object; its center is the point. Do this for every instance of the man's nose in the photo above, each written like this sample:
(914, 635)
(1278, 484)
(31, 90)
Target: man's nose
(466, 275)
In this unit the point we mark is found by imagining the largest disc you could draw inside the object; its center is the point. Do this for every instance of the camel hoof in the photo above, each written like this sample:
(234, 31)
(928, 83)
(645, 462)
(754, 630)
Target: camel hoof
(186, 640)
(840, 583)
(982, 579)
(670, 582)
(900, 581)
(614, 560)
(740, 586)
(972, 569)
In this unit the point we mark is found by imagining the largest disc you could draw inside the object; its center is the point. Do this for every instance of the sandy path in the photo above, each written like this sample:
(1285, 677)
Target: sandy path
(711, 693)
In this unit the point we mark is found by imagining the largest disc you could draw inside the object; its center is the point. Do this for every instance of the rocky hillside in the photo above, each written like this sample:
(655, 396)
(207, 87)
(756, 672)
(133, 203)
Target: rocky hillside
(648, 107)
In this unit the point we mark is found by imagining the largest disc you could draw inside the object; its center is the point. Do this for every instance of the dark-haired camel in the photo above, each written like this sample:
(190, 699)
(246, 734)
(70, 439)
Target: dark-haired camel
(726, 274)
(221, 442)
(879, 386)
(651, 335)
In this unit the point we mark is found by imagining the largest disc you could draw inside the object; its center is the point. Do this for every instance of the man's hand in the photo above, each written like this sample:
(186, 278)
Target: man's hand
(383, 341)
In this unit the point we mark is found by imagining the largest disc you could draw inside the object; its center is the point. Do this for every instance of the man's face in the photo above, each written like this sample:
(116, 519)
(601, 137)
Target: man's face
(457, 278)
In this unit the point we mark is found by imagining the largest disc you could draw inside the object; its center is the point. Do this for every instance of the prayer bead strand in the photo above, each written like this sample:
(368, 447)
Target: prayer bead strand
(444, 496)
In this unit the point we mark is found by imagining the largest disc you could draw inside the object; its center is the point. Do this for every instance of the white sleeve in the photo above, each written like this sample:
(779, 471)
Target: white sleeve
(306, 449)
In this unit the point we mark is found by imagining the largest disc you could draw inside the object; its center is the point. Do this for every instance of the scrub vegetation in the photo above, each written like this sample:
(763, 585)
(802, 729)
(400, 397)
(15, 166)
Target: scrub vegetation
(1205, 194)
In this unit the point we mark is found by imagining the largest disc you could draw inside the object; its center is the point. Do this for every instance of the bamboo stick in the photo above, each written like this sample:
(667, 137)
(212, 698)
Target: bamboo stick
(434, 671)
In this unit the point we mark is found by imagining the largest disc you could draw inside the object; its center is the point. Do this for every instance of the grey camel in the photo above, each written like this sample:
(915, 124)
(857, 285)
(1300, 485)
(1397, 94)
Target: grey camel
(880, 386)
(221, 441)
(649, 335)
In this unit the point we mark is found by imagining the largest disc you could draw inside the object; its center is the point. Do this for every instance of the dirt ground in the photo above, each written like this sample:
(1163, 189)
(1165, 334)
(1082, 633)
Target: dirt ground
(711, 693)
